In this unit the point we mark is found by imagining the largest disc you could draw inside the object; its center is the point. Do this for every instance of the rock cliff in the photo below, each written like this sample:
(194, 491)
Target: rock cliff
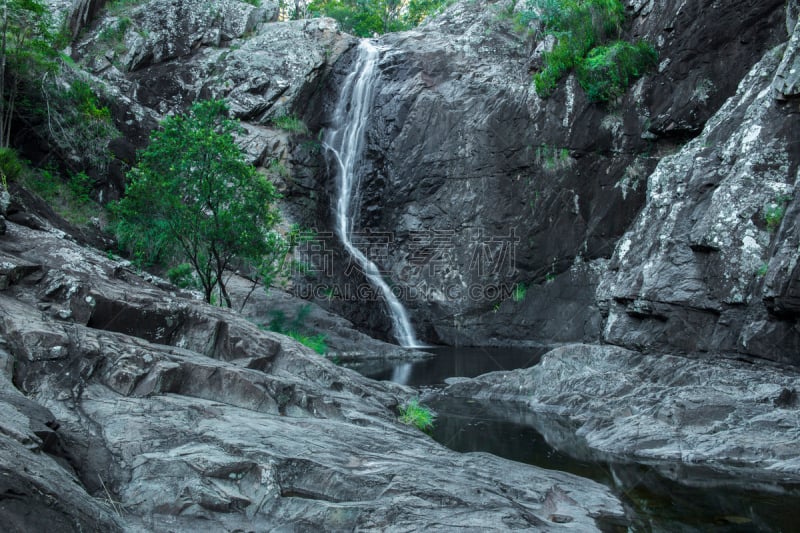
(710, 264)
(485, 187)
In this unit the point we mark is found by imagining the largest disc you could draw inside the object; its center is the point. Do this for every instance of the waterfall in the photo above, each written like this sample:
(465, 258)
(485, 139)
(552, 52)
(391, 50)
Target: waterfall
(344, 140)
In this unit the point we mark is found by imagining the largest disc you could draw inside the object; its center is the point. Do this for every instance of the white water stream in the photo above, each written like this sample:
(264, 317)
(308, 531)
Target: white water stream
(345, 142)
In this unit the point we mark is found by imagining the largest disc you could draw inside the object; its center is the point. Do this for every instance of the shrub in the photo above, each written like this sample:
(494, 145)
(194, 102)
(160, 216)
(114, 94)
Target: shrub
(580, 27)
(608, 71)
(182, 276)
(69, 199)
(290, 123)
(84, 99)
(414, 414)
(11, 167)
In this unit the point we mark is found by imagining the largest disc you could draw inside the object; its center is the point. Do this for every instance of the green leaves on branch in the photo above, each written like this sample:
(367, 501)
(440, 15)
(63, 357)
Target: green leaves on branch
(608, 71)
(193, 198)
(366, 18)
(580, 29)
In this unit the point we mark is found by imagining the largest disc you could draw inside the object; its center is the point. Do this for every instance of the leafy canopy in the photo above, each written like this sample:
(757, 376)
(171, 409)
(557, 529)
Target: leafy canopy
(193, 199)
(27, 52)
(366, 18)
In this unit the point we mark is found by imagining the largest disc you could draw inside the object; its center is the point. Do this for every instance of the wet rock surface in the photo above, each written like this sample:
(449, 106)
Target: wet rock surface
(128, 406)
(483, 186)
(727, 415)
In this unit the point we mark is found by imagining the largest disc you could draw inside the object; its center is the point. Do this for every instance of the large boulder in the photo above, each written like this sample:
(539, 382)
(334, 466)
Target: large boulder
(724, 415)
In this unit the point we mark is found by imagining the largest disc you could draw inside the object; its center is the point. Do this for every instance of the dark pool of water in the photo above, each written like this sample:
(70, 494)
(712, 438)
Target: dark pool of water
(448, 362)
(659, 497)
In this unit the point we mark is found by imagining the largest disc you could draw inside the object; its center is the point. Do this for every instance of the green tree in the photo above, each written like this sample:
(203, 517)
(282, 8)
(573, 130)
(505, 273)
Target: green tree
(365, 18)
(193, 198)
(26, 54)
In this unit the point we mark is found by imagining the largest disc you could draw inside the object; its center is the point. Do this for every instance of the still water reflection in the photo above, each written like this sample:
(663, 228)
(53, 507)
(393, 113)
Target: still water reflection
(660, 497)
(448, 362)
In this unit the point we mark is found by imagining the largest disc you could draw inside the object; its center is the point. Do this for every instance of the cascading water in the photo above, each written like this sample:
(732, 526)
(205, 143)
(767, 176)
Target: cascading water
(345, 141)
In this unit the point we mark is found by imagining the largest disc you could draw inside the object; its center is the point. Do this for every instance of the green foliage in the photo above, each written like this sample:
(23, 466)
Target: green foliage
(366, 18)
(27, 56)
(295, 329)
(762, 270)
(315, 342)
(86, 102)
(519, 292)
(182, 276)
(117, 7)
(580, 27)
(773, 213)
(419, 416)
(552, 157)
(290, 123)
(114, 33)
(80, 187)
(70, 199)
(11, 168)
(193, 198)
(608, 71)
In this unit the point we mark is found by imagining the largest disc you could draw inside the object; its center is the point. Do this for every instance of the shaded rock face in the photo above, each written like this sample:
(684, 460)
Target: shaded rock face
(156, 58)
(710, 264)
(127, 406)
(484, 186)
(727, 415)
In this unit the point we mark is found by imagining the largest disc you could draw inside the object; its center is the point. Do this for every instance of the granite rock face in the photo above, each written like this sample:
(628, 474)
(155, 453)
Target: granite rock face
(484, 187)
(710, 264)
(130, 406)
(153, 59)
(726, 415)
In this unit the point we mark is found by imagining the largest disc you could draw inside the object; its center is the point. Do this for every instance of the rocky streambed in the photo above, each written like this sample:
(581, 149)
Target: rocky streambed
(128, 406)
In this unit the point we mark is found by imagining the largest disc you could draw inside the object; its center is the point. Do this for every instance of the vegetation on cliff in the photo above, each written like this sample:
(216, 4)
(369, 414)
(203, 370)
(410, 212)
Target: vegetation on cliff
(581, 29)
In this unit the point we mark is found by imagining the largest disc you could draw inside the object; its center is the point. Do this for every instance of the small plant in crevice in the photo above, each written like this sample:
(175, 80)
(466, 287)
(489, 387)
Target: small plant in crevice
(552, 158)
(775, 210)
(519, 292)
(762, 270)
(419, 416)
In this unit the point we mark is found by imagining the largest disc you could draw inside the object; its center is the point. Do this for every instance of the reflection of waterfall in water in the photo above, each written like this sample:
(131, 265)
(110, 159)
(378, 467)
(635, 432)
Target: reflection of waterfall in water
(402, 373)
(345, 142)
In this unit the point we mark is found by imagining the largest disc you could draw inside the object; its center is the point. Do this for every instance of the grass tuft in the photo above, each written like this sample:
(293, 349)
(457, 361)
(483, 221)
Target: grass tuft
(419, 416)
